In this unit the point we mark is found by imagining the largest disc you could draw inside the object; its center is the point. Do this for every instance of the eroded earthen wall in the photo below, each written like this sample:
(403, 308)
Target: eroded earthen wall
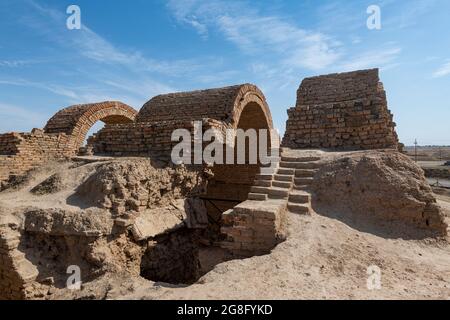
(342, 111)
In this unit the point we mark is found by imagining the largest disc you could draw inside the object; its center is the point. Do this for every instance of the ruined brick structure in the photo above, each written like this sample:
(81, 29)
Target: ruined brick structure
(150, 217)
(61, 138)
(341, 111)
(241, 106)
(75, 121)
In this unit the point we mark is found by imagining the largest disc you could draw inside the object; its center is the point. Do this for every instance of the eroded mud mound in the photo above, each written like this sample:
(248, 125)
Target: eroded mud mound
(136, 185)
(381, 186)
(102, 217)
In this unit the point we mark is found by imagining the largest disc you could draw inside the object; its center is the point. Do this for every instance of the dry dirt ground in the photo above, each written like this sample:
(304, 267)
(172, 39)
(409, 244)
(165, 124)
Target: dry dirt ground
(430, 153)
(323, 258)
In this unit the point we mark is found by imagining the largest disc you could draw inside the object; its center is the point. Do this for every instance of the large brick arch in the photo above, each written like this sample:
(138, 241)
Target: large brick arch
(224, 104)
(75, 121)
(240, 107)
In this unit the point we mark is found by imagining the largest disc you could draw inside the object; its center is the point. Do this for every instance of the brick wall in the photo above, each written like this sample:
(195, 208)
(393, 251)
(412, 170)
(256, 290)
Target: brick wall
(341, 111)
(20, 152)
(17, 274)
(61, 138)
(254, 227)
(144, 138)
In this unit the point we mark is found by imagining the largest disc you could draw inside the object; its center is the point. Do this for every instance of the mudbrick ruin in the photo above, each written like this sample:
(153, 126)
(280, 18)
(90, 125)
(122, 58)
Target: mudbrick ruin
(119, 206)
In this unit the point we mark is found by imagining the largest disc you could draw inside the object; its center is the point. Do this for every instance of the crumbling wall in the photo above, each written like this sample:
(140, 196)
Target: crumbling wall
(172, 258)
(254, 227)
(136, 185)
(20, 152)
(75, 121)
(341, 111)
(60, 139)
(13, 275)
(128, 209)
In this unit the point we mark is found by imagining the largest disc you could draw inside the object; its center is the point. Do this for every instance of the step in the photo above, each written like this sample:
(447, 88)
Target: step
(299, 208)
(264, 177)
(257, 196)
(273, 192)
(299, 159)
(284, 177)
(303, 181)
(301, 187)
(282, 184)
(268, 170)
(256, 189)
(273, 207)
(263, 183)
(305, 172)
(286, 171)
(300, 165)
(299, 197)
(278, 193)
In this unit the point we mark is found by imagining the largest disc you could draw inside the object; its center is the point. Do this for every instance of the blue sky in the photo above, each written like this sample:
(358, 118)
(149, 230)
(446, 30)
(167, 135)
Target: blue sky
(133, 50)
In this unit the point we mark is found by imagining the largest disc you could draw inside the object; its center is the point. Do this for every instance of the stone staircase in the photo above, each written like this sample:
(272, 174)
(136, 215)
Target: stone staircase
(289, 180)
(255, 226)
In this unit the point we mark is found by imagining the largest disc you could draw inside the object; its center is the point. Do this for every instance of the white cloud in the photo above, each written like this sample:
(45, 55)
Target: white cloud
(13, 118)
(257, 34)
(91, 45)
(56, 89)
(15, 63)
(443, 71)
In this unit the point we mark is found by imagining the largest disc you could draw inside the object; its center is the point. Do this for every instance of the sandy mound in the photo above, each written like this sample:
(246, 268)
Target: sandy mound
(135, 185)
(379, 188)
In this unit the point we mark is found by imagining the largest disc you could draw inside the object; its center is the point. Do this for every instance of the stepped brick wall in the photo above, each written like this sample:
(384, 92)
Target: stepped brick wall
(20, 152)
(341, 111)
(17, 274)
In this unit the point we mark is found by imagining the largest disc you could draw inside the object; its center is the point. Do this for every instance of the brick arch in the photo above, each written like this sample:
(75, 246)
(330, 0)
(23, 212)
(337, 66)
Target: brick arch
(224, 104)
(251, 101)
(75, 121)
(241, 106)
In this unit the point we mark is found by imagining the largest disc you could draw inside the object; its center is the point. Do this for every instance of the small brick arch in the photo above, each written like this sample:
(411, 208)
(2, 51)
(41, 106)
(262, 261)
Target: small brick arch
(75, 121)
